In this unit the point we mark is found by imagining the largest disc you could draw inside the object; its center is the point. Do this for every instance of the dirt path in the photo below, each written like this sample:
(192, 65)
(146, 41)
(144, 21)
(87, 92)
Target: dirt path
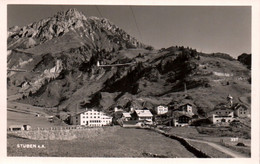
(220, 148)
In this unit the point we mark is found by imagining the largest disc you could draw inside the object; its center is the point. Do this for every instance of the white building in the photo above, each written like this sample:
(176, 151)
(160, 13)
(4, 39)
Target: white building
(221, 116)
(161, 109)
(91, 118)
(126, 116)
(143, 115)
(118, 109)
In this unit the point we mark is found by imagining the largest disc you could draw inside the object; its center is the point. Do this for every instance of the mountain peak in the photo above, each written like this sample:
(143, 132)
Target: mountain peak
(71, 13)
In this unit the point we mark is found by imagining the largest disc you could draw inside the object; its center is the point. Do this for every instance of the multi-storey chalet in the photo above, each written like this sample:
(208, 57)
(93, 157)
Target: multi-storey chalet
(186, 109)
(91, 118)
(143, 115)
(126, 116)
(220, 116)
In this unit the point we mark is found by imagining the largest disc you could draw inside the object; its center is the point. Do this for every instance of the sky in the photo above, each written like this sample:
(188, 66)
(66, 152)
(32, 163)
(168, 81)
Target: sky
(208, 29)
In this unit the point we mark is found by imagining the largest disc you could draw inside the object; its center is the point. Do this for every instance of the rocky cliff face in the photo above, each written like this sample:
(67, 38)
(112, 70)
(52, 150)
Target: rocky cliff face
(90, 28)
(61, 68)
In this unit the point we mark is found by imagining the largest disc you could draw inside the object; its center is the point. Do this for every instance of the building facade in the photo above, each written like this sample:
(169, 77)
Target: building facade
(118, 109)
(91, 118)
(126, 116)
(143, 115)
(187, 108)
(161, 109)
(241, 111)
(221, 116)
(19, 127)
(182, 120)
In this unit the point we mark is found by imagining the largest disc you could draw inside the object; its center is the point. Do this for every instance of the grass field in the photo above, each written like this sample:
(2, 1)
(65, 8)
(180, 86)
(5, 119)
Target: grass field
(21, 114)
(116, 142)
(192, 133)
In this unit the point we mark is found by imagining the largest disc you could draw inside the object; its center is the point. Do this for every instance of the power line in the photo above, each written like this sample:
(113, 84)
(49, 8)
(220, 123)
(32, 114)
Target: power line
(136, 24)
(99, 11)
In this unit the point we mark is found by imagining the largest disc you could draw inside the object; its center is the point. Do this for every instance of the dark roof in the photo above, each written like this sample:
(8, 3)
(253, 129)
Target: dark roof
(119, 106)
(187, 104)
(240, 105)
(177, 114)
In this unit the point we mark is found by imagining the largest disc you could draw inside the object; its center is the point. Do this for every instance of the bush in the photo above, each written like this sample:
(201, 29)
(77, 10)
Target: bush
(149, 48)
(240, 144)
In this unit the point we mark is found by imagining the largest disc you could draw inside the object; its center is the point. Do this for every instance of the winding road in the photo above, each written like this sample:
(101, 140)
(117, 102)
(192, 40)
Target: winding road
(220, 148)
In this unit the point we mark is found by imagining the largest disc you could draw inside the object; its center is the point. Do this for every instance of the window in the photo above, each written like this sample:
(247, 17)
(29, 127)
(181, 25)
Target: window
(94, 116)
(83, 121)
(83, 116)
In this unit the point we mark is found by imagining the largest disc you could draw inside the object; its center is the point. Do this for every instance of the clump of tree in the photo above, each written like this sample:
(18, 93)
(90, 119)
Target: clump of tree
(245, 59)
(150, 48)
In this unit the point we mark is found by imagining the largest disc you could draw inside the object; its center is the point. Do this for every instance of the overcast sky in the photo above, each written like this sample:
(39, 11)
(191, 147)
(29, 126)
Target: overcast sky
(207, 29)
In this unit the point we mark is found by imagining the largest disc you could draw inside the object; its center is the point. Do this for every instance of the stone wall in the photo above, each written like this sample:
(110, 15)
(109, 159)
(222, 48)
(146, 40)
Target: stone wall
(60, 134)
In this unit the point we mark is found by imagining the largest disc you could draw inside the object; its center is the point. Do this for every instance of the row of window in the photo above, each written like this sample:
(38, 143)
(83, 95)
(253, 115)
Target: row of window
(223, 112)
(94, 121)
(92, 113)
(162, 109)
(145, 117)
(222, 116)
(95, 117)
(91, 117)
(223, 120)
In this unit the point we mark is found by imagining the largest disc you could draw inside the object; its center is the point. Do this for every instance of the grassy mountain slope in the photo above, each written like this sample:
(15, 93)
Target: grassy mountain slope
(154, 77)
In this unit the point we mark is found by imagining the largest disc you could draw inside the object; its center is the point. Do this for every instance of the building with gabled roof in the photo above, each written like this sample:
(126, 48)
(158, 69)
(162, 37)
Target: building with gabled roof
(143, 115)
(181, 119)
(221, 116)
(126, 116)
(241, 111)
(118, 108)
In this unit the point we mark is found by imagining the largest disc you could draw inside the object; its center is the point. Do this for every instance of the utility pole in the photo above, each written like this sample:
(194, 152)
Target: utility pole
(76, 108)
(185, 89)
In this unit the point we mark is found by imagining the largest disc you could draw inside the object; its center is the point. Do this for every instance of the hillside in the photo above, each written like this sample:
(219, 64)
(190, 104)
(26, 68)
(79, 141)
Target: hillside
(60, 55)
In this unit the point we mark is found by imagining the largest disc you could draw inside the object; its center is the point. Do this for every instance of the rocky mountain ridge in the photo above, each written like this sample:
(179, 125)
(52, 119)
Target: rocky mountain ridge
(153, 77)
(61, 23)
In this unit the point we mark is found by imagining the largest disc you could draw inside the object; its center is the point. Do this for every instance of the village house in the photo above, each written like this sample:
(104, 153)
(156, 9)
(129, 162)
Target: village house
(186, 108)
(19, 127)
(118, 109)
(183, 120)
(126, 116)
(143, 115)
(161, 109)
(221, 116)
(241, 111)
(91, 118)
